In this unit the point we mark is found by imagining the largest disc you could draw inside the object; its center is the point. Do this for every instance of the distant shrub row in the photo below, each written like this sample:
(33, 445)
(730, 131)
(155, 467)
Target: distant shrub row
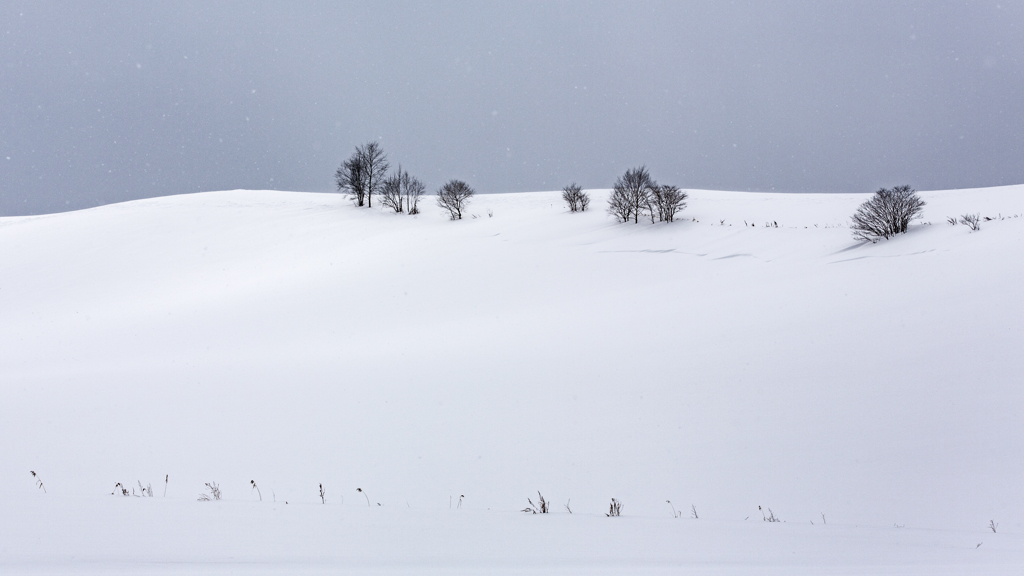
(365, 175)
(635, 195)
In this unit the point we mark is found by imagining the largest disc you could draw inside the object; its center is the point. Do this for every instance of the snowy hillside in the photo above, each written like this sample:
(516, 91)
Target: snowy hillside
(295, 340)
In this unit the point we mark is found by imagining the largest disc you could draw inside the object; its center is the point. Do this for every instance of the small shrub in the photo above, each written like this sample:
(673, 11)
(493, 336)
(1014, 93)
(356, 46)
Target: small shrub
(992, 525)
(119, 490)
(213, 492)
(256, 488)
(453, 197)
(576, 198)
(615, 508)
(144, 491)
(886, 214)
(323, 495)
(972, 221)
(665, 201)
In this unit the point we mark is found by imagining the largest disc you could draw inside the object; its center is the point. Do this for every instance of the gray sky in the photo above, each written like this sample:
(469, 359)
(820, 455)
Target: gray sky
(107, 101)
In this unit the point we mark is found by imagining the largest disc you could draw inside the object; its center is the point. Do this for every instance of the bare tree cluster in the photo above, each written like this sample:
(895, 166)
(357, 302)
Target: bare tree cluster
(576, 198)
(637, 195)
(401, 192)
(364, 175)
(887, 213)
(453, 197)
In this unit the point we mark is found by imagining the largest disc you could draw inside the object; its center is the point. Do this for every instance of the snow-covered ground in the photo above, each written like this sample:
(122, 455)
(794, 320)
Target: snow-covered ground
(295, 340)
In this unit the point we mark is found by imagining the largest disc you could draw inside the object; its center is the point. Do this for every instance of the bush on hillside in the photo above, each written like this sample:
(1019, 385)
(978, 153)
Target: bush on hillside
(402, 192)
(453, 197)
(886, 214)
(665, 201)
(972, 221)
(576, 198)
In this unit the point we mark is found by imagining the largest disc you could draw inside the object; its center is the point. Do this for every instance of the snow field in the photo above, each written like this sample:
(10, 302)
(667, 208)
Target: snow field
(293, 339)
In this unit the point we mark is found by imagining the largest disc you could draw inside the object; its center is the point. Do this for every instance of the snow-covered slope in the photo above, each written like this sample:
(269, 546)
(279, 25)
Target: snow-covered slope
(295, 340)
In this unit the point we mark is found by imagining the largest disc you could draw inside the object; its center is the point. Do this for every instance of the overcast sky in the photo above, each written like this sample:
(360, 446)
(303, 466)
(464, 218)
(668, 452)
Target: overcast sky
(107, 101)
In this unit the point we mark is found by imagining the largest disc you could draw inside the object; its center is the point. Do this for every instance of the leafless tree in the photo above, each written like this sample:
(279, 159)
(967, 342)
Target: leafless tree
(363, 174)
(453, 197)
(619, 206)
(575, 197)
(412, 189)
(667, 200)
(391, 192)
(570, 196)
(631, 194)
(887, 213)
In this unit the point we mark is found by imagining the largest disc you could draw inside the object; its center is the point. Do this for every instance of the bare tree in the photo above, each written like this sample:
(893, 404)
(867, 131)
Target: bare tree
(350, 179)
(584, 199)
(453, 197)
(619, 206)
(631, 194)
(887, 213)
(412, 189)
(363, 174)
(391, 192)
(570, 194)
(666, 200)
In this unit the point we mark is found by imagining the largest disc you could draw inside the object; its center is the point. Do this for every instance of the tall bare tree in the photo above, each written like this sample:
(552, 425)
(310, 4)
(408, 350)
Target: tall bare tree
(453, 197)
(363, 174)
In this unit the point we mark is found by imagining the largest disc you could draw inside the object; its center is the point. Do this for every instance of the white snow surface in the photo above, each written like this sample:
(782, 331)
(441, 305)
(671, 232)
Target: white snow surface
(295, 340)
